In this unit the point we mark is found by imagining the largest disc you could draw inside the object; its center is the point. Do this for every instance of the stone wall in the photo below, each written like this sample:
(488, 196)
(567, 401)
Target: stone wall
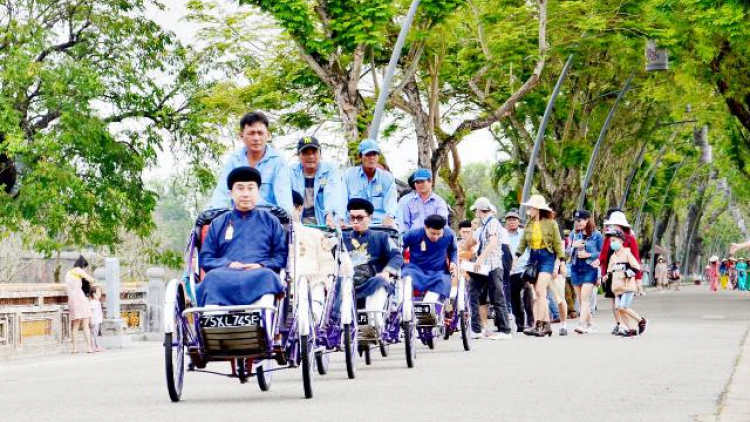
(34, 318)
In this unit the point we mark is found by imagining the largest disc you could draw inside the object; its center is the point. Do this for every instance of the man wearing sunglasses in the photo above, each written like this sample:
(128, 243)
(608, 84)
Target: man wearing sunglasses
(372, 183)
(376, 260)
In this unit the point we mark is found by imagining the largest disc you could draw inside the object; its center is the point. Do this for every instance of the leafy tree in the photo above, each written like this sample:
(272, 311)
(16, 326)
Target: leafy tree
(90, 92)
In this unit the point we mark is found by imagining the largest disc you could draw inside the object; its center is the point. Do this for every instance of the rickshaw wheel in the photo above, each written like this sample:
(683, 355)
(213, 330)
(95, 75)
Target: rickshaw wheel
(175, 367)
(409, 343)
(368, 357)
(264, 378)
(306, 366)
(321, 362)
(464, 330)
(383, 349)
(349, 351)
(431, 342)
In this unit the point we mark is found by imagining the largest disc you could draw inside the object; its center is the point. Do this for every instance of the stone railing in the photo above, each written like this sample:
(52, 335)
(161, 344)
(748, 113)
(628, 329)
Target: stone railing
(34, 318)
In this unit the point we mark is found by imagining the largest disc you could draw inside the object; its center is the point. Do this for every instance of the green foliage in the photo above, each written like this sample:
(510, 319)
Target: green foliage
(89, 93)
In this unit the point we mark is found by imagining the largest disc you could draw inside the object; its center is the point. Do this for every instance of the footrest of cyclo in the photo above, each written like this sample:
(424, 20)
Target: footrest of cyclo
(427, 313)
(234, 335)
(366, 331)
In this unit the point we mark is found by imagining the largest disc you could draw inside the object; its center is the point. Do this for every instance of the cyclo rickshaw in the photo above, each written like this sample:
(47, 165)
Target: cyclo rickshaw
(398, 317)
(253, 338)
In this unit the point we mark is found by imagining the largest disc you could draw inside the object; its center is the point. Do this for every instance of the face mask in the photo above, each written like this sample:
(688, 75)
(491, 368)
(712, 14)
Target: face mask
(616, 246)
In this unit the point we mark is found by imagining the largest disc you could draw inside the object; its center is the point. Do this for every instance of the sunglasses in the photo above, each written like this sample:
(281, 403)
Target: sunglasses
(357, 218)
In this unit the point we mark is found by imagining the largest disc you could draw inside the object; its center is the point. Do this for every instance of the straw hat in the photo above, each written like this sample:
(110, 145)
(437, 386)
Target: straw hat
(617, 219)
(538, 202)
(713, 259)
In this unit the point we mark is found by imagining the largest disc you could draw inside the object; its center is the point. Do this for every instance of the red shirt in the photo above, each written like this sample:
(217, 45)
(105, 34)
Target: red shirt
(630, 242)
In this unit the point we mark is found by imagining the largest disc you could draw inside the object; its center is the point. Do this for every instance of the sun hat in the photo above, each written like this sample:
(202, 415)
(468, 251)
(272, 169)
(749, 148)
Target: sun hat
(482, 204)
(713, 259)
(617, 219)
(538, 202)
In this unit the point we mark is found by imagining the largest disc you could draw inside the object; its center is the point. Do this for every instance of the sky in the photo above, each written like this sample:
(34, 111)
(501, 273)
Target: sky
(478, 147)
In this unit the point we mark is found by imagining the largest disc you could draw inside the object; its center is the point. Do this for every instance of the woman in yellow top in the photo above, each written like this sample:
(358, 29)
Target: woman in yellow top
(78, 304)
(542, 236)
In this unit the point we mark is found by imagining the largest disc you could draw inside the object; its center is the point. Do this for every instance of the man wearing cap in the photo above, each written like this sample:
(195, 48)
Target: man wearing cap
(319, 183)
(369, 182)
(521, 292)
(414, 208)
(492, 237)
(244, 249)
(255, 152)
(376, 260)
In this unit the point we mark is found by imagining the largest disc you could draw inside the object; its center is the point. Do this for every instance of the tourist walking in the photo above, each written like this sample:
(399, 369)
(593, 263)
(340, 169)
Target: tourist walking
(617, 220)
(675, 276)
(742, 274)
(585, 245)
(489, 271)
(542, 237)
(521, 292)
(622, 269)
(660, 274)
(76, 280)
(97, 316)
(733, 273)
(724, 273)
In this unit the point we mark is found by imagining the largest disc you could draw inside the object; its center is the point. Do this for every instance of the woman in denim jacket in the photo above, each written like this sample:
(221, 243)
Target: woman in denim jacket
(584, 248)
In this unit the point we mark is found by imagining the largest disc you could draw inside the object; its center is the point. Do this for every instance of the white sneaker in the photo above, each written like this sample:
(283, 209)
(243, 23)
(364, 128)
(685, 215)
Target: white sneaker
(476, 336)
(581, 329)
(501, 336)
(590, 329)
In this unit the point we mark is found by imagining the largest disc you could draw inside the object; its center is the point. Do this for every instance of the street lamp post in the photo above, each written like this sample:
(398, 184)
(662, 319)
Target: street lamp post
(540, 136)
(391, 70)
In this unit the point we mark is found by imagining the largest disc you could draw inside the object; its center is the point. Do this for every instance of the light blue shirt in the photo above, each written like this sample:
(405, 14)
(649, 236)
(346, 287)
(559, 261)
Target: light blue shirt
(412, 210)
(381, 191)
(515, 240)
(276, 185)
(328, 187)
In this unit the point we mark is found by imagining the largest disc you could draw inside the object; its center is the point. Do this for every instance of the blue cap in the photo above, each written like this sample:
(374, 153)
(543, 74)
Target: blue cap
(422, 174)
(367, 146)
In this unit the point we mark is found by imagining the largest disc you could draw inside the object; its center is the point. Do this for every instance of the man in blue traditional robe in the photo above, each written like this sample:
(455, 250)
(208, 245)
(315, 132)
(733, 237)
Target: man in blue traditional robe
(376, 259)
(433, 258)
(244, 249)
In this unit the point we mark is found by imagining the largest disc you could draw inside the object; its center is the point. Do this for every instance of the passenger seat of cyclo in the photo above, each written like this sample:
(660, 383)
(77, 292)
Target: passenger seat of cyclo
(315, 259)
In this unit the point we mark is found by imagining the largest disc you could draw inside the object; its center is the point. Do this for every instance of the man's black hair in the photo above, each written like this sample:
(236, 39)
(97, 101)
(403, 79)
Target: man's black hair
(360, 204)
(466, 224)
(252, 118)
(435, 222)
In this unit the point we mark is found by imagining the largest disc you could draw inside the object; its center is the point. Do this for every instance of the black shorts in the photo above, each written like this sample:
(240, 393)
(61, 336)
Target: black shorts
(484, 294)
(608, 293)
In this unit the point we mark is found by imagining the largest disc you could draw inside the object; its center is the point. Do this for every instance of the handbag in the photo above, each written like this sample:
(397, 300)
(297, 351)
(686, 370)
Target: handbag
(530, 273)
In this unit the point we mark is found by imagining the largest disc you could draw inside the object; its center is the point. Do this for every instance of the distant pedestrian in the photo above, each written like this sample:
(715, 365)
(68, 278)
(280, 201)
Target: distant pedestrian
(675, 276)
(724, 273)
(713, 273)
(660, 274)
(742, 274)
(733, 273)
(97, 316)
(76, 281)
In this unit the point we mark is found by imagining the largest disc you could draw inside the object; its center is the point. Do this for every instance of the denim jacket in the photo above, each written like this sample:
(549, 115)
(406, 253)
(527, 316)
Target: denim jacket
(593, 246)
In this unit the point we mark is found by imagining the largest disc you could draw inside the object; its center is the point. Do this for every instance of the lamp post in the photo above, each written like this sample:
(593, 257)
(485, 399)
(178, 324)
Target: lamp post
(656, 60)
(395, 55)
(540, 136)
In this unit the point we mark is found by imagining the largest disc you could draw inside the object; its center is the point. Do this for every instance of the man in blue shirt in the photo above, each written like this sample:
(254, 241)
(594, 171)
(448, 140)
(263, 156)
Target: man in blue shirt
(320, 185)
(276, 188)
(413, 208)
(369, 182)
(433, 258)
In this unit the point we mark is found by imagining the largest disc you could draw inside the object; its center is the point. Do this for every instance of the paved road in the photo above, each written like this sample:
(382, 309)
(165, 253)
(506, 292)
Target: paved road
(678, 371)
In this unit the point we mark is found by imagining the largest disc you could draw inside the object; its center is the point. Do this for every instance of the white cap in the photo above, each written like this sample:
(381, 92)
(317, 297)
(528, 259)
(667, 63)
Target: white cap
(482, 204)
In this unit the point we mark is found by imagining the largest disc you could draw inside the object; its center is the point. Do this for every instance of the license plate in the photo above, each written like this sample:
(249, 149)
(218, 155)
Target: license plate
(362, 318)
(422, 309)
(230, 320)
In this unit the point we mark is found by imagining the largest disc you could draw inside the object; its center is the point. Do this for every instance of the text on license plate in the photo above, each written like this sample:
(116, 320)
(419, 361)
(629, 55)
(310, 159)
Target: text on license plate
(422, 309)
(230, 320)
(362, 318)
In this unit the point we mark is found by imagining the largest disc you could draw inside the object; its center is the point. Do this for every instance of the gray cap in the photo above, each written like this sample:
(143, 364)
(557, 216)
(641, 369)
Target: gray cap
(482, 204)
(512, 214)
